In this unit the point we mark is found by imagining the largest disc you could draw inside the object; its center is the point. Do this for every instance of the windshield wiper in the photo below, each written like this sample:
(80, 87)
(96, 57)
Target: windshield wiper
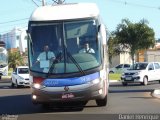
(75, 62)
(58, 59)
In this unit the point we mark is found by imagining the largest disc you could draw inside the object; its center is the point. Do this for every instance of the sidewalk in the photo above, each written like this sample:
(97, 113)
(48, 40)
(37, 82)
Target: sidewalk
(114, 81)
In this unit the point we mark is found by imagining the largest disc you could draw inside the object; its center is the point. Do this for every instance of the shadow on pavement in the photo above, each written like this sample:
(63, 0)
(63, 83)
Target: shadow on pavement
(22, 104)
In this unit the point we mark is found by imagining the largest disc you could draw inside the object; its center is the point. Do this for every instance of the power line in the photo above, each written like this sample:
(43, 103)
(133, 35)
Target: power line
(135, 4)
(13, 21)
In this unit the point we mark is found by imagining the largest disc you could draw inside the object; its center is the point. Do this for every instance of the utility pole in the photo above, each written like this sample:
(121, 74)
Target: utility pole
(43, 2)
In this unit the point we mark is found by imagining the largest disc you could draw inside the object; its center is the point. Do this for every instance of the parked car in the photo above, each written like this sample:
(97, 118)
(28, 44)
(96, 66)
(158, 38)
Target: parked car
(119, 68)
(142, 72)
(20, 77)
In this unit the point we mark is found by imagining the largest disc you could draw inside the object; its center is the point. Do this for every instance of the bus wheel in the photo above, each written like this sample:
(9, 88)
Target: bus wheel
(124, 83)
(102, 102)
(0, 77)
(46, 106)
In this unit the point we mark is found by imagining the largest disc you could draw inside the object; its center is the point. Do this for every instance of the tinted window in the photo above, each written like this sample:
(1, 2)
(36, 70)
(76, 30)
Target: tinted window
(23, 70)
(151, 67)
(126, 65)
(120, 66)
(157, 66)
(139, 66)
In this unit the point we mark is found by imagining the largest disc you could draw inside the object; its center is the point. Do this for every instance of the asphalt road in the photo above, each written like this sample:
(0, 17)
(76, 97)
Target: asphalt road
(131, 99)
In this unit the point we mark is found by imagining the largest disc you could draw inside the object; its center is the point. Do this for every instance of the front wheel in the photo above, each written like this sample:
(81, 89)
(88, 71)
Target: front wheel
(17, 86)
(102, 102)
(124, 83)
(145, 80)
(12, 85)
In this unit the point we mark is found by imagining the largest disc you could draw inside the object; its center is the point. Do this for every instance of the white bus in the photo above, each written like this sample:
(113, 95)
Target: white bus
(3, 60)
(71, 75)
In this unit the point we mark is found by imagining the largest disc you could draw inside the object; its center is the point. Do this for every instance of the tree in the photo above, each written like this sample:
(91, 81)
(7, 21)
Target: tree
(113, 50)
(15, 59)
(134, 36)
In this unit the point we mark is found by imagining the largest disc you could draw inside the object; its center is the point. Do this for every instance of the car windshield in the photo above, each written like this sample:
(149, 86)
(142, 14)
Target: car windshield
(23, 71)
(139, 66)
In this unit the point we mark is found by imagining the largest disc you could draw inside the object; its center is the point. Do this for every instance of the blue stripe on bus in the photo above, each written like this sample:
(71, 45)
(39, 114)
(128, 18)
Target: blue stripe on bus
(70, 81)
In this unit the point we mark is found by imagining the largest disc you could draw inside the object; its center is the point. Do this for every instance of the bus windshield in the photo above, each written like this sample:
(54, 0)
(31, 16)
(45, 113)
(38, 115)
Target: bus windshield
(72, 46)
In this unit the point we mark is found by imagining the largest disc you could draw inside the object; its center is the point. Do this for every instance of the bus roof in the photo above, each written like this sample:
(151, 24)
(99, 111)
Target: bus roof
(65, 12)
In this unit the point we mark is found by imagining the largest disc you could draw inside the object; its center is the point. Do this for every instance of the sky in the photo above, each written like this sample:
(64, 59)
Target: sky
(15, 13)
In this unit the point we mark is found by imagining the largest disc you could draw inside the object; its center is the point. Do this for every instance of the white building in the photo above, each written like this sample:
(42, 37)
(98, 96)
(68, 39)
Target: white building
(123, 58)
(16, 38)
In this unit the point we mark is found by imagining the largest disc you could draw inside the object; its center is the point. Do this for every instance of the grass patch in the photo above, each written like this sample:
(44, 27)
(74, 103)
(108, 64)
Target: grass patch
(114, 76)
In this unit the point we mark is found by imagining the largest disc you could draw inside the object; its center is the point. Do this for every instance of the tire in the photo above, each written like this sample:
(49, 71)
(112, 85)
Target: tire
(45, 106)
(17, 86)
(145, 80)
(102, 102)
(159, 81)
(111, 72)
(124, 83)
(12, 85)
(0, 77)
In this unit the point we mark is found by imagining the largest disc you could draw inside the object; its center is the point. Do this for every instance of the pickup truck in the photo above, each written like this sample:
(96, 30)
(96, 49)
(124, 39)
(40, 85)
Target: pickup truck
(142, 72)
(20, 77)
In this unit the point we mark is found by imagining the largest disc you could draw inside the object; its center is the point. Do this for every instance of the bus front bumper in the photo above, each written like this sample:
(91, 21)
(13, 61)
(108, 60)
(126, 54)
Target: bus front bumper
(69, 93)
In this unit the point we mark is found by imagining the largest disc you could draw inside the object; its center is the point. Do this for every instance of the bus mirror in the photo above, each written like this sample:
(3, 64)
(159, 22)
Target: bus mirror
(27, 31)
(99, 26)
(103, 33)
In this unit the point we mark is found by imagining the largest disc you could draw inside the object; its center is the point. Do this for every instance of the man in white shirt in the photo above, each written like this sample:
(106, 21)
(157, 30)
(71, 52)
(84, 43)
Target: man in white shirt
(45, 58)
(86, 49)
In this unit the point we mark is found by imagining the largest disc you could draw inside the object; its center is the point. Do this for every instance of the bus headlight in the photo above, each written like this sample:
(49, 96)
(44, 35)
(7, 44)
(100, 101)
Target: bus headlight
(37, 85)
(96, 81)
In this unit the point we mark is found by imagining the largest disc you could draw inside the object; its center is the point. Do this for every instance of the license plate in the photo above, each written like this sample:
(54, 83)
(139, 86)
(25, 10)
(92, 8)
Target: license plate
(128, 78)
(67, 96)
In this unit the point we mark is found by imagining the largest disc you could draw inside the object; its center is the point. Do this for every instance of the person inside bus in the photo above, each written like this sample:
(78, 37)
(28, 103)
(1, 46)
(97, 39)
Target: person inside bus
(45, 58)
(87, 49)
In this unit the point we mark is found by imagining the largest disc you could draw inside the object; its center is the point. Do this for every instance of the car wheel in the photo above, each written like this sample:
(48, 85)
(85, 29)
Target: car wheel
(111, 72)
(124, 83)
(159, 81)
(17, 86)
(102, 102)
(12, 85)
(145, 80)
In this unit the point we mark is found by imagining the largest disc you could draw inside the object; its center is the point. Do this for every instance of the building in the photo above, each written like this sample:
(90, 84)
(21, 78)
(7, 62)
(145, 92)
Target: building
(149, 55)
(121, 59)
(15, 39)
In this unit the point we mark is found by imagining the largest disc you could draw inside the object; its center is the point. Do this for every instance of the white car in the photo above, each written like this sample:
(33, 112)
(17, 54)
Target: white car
(142, 72)
(119, 68)
(20, 77)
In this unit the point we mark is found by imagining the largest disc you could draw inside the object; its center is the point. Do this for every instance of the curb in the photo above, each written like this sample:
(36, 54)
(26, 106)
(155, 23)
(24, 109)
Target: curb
(156, 93)
(114, 81)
